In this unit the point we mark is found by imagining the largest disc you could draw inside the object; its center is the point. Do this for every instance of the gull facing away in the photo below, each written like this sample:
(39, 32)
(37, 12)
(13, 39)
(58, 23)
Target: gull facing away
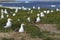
(8, 24)
(21, 28)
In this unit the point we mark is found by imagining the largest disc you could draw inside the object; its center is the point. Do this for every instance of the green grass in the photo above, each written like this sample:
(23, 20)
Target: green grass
(33, 31)
(51, 18)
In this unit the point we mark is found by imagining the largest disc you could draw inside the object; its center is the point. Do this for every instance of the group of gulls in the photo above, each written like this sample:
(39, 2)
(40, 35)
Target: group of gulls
(21, 29)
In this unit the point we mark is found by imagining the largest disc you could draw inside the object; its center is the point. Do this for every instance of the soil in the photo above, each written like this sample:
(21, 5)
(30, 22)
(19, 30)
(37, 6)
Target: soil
(25, 36)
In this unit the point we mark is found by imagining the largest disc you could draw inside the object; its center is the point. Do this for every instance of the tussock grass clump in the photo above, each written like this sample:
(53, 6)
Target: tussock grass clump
(33, 31)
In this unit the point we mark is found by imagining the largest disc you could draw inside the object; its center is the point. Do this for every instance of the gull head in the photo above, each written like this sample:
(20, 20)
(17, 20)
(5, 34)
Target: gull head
(9, 19)
(22, 24)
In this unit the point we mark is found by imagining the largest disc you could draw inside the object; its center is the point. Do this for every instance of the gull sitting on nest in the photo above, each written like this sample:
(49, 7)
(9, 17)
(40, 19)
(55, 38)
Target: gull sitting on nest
(37, 19)
(8, 24)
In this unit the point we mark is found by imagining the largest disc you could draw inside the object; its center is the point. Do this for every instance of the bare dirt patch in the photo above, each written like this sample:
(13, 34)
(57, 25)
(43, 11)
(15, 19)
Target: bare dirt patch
(48, 27)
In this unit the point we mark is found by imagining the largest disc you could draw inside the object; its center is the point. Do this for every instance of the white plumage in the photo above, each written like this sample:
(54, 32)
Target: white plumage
(2, 16)
(57, 9)
(21, 28)
(33, 7)
(48, 11)
(5, 11)
(38, 19)
(38, 7)
(20, 8)
(2, 11)
(42, 14)
(38, 14)
(52, 11)
(14, 14)
(44, 11)
(28, 19)
(24, 8)
(8, 24)
(29, 9)
(16, 10)
(7, 15)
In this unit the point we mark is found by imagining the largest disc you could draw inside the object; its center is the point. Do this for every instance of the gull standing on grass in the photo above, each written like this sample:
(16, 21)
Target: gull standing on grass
(57, 9)
(38, 8)
(38, 14)
(16, 10)
(28, 19)
(21, 28)
(2, 11)
(42, 14)
(14, 14)
(48, 11)
(37, 19)
(5, 11)
(52, 11)
(44, 11)
(2, 15)
(33, 7)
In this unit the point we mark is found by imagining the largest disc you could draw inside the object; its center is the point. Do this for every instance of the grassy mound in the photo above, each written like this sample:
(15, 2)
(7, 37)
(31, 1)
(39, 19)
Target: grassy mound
(51, 18)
